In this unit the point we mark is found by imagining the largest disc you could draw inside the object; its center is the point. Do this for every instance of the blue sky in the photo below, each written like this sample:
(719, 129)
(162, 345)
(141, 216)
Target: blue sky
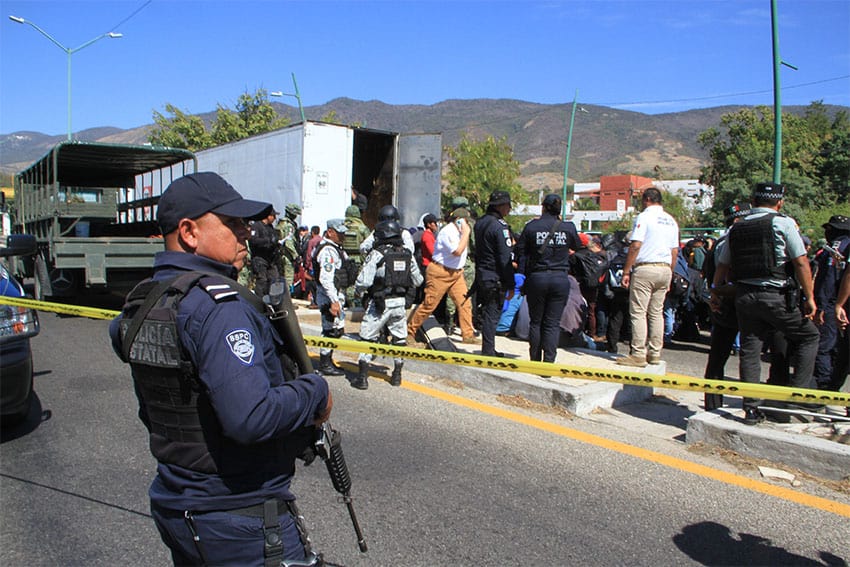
(642, 55)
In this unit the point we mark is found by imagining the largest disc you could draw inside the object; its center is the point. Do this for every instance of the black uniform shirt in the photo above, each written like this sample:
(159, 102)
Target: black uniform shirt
(556, 257)
(493, 253)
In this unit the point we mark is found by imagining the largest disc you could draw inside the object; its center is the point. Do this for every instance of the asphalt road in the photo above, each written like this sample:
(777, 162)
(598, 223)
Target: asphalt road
(441, 477)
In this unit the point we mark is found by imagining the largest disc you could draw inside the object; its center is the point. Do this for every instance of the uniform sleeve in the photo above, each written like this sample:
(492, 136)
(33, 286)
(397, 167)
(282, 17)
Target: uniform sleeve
(366, 277)
(328, 261)
(235, 357)
(639, 228)
(367, 244)
(502, 236)
(416, 274)
(522, 252)
(407, 240)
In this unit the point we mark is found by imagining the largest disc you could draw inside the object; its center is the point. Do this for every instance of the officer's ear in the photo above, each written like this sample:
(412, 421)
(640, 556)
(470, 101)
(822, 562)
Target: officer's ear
(188, 234)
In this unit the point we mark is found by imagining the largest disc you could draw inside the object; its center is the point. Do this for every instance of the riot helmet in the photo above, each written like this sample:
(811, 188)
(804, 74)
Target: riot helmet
(387, 230)
(388, 212)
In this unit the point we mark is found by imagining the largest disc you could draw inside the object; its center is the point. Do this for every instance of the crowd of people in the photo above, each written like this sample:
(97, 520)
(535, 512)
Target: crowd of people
(559, 288)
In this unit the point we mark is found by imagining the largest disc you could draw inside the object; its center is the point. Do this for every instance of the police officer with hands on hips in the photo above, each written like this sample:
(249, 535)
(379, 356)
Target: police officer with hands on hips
(543, 255)
(494, 272)
(331, 266)
(767, 261)
(389, 277)
(223, 421)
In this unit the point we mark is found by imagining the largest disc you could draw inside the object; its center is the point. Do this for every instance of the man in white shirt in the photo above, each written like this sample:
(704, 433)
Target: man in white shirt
(647, 273)
(444, 274)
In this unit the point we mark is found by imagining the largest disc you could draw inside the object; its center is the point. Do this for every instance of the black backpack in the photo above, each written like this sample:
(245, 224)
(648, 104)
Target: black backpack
(588, 269)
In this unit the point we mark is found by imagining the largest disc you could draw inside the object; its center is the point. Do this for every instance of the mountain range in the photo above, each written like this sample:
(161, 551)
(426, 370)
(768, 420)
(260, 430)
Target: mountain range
(605, 141)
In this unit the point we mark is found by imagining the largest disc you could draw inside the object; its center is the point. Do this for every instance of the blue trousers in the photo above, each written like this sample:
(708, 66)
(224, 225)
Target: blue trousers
(826, 347)
(223, 538)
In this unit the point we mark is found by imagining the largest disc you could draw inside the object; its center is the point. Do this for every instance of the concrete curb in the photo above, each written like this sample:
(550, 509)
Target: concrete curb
(819, 457)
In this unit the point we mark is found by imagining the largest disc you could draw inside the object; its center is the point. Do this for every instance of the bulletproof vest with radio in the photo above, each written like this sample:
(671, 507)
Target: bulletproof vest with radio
(752, 243)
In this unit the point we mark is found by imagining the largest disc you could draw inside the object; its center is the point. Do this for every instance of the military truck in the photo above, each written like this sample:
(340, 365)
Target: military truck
(92, 209)
(316, 164)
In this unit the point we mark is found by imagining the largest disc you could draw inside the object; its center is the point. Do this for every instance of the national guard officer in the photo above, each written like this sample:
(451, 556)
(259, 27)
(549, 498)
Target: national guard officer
(265, 253)
(287, 230)
(387, 212)
(211, 389)
(389, 276)
(764, 251)
(494, 272)
(543, 255)
(830, 267)
(333, 273)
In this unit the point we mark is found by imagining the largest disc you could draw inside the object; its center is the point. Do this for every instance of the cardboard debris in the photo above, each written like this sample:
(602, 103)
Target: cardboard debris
(769, 472)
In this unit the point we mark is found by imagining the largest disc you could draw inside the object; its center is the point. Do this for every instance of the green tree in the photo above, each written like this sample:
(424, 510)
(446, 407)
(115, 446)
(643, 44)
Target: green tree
(180, 130)
(586, 204)
(253, 115)
(815, 157)
(477, 168)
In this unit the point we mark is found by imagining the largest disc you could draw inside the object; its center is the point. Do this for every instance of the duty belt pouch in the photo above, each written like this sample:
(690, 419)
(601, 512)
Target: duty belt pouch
(272, 542)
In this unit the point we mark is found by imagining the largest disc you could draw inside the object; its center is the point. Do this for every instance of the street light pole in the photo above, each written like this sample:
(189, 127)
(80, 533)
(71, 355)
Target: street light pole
(68, 51)
(777, 97)
(567, 158)
(297, 96)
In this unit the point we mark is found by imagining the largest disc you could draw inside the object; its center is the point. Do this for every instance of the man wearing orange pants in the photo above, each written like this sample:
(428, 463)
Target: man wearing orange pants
(444, 275)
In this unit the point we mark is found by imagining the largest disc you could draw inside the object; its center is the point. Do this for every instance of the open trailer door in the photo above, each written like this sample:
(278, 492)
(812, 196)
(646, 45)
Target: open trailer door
(419, 161)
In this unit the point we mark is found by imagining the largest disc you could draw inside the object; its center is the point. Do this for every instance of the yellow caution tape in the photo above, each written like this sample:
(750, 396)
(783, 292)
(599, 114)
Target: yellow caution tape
(65, 309)
(618, 376)
(677, 382)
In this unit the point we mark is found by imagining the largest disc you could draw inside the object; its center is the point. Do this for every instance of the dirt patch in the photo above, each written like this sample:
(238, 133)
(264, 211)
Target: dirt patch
(750, 464)
(521, 402)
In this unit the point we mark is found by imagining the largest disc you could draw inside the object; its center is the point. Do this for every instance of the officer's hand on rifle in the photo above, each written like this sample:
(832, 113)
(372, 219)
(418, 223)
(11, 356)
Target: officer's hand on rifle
(324, 414)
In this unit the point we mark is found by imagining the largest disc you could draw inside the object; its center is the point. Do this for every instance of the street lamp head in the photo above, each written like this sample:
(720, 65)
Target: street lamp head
(275, 93)
(115, 35)
(17, 19)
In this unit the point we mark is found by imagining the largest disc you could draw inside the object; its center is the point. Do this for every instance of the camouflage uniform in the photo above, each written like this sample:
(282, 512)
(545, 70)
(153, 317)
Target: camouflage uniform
(356, 232)
(288, 237)
(387, 308)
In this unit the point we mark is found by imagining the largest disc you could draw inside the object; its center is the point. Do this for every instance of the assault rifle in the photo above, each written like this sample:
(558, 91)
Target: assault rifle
(327, 444)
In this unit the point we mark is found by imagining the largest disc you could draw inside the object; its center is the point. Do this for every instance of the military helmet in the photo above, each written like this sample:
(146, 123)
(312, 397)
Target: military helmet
(352, 211)
(387, 229)
(292, 210)
(459, 201)
(388, 212)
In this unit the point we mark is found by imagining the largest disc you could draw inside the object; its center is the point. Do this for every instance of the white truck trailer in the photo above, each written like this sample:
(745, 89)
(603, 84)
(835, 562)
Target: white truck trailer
(315, 165)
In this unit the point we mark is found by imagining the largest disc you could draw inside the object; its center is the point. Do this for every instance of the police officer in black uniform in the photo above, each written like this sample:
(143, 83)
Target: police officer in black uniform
(543, 255)
(223, 423)
(767, 261)
(830, 268)
(265, 253)
(494, 272)
(724, 320)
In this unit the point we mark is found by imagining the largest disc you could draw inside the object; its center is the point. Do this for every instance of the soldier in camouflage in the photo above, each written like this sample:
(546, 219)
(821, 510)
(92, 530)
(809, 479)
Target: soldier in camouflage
(356, 232)
(287, 230)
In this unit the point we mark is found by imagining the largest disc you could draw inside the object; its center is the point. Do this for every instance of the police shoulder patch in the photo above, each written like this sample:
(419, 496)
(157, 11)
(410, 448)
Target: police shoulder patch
(241, 345)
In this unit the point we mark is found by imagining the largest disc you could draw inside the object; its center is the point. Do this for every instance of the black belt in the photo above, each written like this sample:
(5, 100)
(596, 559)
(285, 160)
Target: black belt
(257, 510)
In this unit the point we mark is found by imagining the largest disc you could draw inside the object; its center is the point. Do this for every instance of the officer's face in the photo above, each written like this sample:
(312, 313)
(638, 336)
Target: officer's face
(222, 238)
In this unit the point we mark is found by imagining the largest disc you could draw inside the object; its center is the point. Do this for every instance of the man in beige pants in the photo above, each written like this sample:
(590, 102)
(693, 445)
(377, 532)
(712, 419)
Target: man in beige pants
(444, 275)
(647, 273)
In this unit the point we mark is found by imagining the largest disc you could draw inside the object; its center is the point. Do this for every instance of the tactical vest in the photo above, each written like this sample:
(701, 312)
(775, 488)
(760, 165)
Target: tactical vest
(353, 236)
(345, 275)
(177, 407)
(752, 243)
(396, 260)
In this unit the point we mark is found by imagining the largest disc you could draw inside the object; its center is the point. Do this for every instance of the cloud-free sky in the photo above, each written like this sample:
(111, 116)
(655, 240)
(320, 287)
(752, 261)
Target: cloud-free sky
(643, 55)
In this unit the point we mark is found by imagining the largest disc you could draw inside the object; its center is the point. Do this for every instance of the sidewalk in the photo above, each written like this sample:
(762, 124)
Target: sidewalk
(820, 449)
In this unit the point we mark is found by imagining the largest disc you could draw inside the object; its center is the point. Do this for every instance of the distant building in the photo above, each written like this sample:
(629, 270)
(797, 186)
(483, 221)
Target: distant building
(621, 193)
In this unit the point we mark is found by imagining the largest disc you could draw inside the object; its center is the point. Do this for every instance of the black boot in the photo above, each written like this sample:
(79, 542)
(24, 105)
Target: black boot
(326, 366)
(395, 379)
(361, 382)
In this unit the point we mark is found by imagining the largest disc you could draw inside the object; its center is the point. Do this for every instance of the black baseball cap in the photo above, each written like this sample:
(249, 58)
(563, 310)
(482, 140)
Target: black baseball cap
(499, 198)
(197, 194)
